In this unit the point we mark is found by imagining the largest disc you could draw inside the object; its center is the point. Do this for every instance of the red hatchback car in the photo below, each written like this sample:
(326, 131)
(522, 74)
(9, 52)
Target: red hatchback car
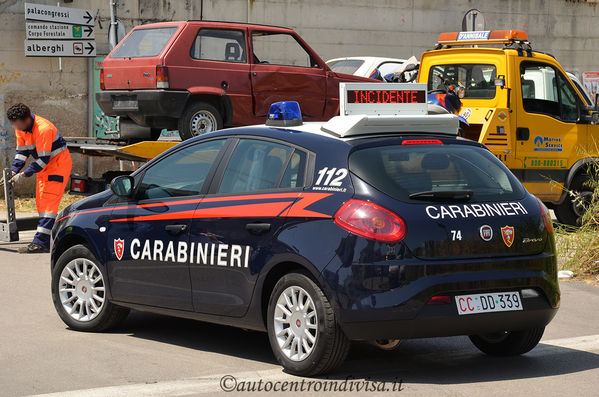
(200, 76)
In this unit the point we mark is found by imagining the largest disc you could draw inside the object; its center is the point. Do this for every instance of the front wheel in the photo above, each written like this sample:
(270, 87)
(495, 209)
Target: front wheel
(302, 327)
(79, 292)
(508, 343)
(199, 118)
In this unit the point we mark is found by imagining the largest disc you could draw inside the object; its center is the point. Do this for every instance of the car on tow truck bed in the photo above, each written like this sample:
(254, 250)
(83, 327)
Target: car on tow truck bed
(198, 76)
(371, 226)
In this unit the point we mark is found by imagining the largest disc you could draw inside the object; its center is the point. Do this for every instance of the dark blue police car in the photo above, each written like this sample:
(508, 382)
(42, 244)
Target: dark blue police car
(373, 226)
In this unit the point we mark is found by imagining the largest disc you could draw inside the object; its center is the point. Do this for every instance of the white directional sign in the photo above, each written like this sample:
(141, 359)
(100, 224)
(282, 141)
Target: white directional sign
(49, 30)
(74, 16)
(60, 48)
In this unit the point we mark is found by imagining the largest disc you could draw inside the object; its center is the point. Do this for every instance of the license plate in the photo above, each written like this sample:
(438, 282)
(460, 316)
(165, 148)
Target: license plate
(487, 303)
(124, 104)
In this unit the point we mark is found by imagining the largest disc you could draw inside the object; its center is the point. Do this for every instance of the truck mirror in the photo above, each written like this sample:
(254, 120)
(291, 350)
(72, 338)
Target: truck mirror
(122, 186)
(500, 82)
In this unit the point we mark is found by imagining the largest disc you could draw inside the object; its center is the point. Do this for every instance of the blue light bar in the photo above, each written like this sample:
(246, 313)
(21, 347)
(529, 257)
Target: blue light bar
(284, 114)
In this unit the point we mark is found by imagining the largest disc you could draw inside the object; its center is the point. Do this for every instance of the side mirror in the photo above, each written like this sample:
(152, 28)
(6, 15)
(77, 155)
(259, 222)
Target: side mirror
(122, 186)
(500, 81)
(410, 67)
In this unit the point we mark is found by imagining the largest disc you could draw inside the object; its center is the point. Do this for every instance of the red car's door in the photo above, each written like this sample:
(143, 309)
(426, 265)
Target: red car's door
(210, 59)
(283, 69)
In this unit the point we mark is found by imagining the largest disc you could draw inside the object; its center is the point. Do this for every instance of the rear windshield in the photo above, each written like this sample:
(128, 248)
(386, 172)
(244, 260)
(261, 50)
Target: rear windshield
(402, 170)
(477, 79)
(144, 43)
(348, 66)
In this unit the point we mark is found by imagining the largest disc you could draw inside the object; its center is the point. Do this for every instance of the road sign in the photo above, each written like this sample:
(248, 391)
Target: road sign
(74, 16)
(60, 48)
(50, 30)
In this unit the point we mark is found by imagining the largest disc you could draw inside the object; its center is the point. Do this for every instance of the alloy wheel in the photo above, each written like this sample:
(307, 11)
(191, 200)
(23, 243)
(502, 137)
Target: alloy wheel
(295, 323)
(81, 289)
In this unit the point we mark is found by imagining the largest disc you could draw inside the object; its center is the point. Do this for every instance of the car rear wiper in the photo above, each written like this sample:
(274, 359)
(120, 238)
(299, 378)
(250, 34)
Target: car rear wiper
(455, 195)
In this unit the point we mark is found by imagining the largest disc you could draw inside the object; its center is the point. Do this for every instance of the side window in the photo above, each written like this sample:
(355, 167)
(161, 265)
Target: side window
(261, 165)
(546, 91)
(180, 174)
(219, 45)
(388, 67)
(569, 103)
(294, 173)
(279, 49)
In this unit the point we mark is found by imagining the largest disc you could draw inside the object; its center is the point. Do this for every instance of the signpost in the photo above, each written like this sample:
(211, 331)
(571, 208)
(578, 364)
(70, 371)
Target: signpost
(50, 30)
(60, 48)
(73, 16)
(59, 31)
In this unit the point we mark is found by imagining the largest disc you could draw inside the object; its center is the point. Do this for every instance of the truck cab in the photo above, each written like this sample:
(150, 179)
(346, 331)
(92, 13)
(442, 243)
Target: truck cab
(522, 105)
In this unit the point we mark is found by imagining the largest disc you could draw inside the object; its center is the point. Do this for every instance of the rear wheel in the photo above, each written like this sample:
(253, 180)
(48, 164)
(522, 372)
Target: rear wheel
(576, 202)
(79, 292)
(508, 343)
(199, 118)
(302, 327)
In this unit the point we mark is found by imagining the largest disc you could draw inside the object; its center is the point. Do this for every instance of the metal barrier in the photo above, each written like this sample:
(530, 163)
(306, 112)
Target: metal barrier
(8, 229)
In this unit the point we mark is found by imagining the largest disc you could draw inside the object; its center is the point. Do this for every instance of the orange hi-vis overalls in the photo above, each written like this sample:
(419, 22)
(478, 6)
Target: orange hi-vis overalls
(52, 165)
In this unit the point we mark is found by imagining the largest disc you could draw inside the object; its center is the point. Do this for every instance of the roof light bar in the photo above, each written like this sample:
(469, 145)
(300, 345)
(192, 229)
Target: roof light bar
(482, 37)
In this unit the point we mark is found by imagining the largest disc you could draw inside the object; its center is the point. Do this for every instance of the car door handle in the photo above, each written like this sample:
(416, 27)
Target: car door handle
(175, 228)
(257, 228)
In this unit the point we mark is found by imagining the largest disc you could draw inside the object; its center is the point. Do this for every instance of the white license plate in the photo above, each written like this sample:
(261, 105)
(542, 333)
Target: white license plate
(487, 303)
(124, 104)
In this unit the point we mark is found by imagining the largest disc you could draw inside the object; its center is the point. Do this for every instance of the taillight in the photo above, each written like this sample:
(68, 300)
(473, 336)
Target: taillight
(546, 216)
(77, 185)
(370, 220)
(422, 142)
(161, 76)
(102, 86)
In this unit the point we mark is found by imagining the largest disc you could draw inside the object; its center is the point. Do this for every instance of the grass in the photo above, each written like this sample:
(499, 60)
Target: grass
(27, 204)
(578, 248)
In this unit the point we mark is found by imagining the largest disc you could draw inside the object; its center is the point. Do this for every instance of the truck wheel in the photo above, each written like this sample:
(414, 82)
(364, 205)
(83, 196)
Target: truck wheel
(573, 208)
(79, 291)
(302, 327)
(199, 118)
(509, 343)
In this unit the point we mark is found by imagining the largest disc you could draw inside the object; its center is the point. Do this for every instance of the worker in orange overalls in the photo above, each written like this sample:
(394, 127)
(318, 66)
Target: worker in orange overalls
(37, 137)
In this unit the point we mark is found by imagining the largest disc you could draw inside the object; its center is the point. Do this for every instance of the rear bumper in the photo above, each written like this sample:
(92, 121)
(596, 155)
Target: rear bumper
(143, 103)
(388, 299)
(443, 320)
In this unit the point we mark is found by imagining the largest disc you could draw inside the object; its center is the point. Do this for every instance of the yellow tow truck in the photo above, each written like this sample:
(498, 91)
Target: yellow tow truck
(521, 104)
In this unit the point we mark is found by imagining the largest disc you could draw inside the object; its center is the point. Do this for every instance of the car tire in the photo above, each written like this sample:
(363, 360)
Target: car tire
(509, 343)
(80, 292)
(199, 118)
(568, 212)
(329, 346)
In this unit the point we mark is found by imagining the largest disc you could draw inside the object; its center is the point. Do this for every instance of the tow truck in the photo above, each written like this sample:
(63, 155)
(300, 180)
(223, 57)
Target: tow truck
(522, 105)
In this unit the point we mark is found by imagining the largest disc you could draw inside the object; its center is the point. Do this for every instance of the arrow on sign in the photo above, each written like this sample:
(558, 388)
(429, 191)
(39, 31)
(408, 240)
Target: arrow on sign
(87, 16)
(89, 47)
(88, 30)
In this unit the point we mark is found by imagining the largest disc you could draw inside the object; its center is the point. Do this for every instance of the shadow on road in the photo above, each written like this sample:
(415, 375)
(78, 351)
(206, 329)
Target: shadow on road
(433, 361)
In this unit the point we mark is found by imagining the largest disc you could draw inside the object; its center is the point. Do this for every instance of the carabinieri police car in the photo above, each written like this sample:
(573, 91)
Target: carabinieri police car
(378, 225)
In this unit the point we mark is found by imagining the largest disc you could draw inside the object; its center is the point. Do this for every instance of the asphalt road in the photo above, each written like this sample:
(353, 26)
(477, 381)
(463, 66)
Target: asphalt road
(152, 355)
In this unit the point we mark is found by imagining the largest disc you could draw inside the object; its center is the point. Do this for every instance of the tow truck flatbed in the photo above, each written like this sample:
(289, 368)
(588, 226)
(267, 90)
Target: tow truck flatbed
(120, 150)
(115, 148)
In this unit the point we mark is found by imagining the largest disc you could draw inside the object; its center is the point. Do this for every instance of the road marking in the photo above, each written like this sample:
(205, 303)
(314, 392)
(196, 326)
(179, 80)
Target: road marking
(212, 383)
